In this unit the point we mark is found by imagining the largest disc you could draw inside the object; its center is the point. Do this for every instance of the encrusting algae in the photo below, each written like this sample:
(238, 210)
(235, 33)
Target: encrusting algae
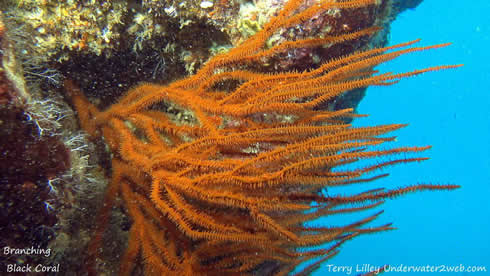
(58, 28)
(230, 189)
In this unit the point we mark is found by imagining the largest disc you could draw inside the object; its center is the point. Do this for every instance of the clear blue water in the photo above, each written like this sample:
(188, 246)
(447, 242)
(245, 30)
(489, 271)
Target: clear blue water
(449, 110)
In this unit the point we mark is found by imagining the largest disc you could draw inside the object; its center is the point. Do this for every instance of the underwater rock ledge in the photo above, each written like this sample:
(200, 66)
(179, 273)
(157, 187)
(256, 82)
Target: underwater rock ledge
(105, 68)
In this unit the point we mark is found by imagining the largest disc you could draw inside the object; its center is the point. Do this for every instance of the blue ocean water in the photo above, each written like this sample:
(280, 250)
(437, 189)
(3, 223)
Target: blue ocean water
(449, 110)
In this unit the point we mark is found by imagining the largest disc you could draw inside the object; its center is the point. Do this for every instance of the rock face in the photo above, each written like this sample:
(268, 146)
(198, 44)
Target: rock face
(107, 50)
(28, 161)
(43, 168)
(111, 47)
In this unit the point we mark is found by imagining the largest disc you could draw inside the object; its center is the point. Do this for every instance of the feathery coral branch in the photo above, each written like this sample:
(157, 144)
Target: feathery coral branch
(246, 171)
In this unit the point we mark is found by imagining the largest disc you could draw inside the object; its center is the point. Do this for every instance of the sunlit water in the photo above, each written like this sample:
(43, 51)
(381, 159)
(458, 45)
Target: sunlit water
(449, 110)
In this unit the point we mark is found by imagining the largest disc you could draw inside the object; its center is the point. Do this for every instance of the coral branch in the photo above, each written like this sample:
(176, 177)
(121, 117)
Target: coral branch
(229, 188)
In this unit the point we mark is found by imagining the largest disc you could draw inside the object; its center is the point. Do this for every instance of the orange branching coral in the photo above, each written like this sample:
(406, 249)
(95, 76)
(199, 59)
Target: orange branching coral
(220, 171)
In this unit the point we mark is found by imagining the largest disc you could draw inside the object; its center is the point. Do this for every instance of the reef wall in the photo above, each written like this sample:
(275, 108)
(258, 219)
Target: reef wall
(52, 177)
